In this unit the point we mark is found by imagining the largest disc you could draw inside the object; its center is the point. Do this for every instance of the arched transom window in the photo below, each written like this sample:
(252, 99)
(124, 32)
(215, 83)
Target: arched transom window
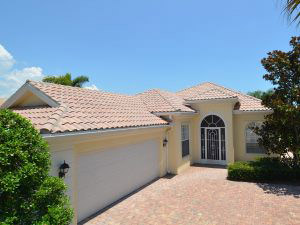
(212, 121)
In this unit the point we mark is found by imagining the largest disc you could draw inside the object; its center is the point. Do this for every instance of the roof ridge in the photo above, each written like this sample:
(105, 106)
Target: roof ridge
(55, 118)
(166, 100)
(207, 82)
(78, 88)
(143, 102)
(192, 86)
(222, 91)
(236, 91)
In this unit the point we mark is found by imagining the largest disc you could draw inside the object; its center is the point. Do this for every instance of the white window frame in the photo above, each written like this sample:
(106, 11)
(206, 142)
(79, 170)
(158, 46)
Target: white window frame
(184, 138)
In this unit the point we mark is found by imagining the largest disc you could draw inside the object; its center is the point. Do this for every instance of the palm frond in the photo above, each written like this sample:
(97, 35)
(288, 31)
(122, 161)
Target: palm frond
(292, 10)
(79, 81)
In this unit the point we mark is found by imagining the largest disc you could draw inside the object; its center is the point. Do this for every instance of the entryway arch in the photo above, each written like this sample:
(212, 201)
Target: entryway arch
(213, 141)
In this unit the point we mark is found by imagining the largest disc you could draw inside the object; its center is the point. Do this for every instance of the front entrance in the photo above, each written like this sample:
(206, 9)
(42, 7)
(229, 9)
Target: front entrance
(213, 144)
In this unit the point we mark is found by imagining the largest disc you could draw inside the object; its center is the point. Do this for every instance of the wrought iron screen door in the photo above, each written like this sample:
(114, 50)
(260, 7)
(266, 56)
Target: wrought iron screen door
(213, 143)
(213, 139)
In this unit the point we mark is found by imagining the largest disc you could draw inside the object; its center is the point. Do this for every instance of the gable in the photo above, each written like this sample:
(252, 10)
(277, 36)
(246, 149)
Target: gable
(29, 100)
(29, 96)
(210, 91)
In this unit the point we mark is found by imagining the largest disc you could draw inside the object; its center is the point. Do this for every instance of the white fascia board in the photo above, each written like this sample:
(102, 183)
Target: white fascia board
(174, 113)
(22, 90)
(233, 100)
(237, 112)
(113, 130)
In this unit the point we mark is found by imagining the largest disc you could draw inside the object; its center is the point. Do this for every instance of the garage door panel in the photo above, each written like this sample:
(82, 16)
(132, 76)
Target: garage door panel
(107, 175)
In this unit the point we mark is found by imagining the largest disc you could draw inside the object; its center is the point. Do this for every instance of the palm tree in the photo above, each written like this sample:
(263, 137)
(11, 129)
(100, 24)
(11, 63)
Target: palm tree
(292, 10)
(67, 80)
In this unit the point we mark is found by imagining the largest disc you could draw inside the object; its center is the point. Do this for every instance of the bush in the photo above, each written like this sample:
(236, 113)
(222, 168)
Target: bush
(28, 195)
(263, 169)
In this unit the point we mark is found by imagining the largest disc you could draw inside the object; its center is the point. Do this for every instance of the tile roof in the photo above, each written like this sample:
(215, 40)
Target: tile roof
(163, 101)
(83, 109)
(210, 90)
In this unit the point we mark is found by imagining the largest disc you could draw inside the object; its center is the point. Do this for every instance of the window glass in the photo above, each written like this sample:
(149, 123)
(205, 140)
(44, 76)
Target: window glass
(252, 145)
(185, 142)
(212, 121)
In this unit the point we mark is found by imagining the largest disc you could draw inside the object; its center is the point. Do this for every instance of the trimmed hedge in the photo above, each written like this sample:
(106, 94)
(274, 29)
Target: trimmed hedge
(263, 169)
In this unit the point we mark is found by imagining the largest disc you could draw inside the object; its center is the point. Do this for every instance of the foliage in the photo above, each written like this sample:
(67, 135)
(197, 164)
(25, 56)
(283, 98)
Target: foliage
(292, 10)
(28, 195)
(260, 94)
(280, 132)
(263, 169)
(67, 80)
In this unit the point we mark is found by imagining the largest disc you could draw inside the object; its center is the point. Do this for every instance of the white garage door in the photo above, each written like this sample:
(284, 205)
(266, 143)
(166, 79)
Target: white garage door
(106, 176)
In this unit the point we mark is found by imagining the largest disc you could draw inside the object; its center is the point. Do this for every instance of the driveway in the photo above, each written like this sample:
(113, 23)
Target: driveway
(202, 195)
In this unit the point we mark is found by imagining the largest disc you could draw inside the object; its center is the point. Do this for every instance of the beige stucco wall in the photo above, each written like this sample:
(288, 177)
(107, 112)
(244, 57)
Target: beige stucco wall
(176, 163)
(224, 111)
(240, 122)
(68, 148)
(234, 133)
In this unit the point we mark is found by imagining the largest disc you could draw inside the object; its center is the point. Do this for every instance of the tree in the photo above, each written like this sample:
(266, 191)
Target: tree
(280, 132)
(292, 10)
(28, 194)
(67, 80)
(260, 94)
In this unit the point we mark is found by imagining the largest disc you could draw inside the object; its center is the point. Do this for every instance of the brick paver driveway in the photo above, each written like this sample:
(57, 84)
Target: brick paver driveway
(202, 195)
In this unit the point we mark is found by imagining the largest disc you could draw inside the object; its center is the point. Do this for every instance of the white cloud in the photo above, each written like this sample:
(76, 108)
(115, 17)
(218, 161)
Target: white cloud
(92, 87)
(10, 78)
(6, 60)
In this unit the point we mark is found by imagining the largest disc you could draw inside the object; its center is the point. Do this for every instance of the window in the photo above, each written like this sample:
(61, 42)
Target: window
(212, 121)
(252, 145)
(185, 140)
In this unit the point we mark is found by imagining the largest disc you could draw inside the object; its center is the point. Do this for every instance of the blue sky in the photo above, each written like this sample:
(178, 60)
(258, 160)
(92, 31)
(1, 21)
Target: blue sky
(133, 45)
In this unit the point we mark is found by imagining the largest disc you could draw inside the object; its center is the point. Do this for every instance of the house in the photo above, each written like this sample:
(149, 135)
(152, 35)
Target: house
(1, 101)
(116, 143)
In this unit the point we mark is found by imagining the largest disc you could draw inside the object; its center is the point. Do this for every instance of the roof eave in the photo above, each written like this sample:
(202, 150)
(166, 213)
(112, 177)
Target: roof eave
(22, 90)
(252, 111)
(174, 113)
(103, 131)
(232, 100)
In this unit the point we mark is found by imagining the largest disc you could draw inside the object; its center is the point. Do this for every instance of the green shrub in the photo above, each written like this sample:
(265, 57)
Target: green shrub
(28, 195)
(263, 169)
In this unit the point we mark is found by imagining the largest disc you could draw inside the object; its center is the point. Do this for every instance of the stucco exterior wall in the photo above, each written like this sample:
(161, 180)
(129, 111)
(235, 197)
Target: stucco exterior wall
(240, 122)
(68, 148)
(176, 162)
(224, 111)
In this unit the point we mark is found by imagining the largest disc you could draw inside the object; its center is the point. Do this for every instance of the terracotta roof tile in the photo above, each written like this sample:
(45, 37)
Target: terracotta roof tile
(163, 101)
(213, 91)
(84, 109)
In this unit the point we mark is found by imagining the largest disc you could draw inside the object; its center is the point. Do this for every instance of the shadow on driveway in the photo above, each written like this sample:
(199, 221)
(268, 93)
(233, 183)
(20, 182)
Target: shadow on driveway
(280, 189)
(209, 166)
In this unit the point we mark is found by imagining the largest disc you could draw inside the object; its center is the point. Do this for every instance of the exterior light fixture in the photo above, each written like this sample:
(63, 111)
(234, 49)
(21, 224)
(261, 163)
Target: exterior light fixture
(63, 169)
(165, 142)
